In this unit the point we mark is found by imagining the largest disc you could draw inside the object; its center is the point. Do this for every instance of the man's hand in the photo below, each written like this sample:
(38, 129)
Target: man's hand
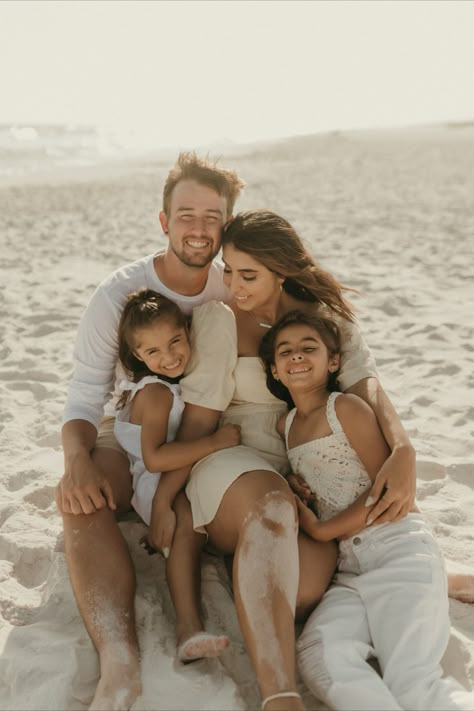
(161, 532)
(394, 488)
(299, 486)
(83, 488)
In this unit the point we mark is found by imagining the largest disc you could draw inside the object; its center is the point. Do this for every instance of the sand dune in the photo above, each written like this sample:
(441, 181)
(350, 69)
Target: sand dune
(390, 213)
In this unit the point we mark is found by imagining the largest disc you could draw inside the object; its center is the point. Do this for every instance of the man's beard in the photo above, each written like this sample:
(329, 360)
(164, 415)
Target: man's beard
(196, 261)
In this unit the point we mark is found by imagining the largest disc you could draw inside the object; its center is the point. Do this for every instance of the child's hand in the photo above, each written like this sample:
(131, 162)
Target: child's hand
(309, 522)
(301, 488)
(161, 532)
(227, 436)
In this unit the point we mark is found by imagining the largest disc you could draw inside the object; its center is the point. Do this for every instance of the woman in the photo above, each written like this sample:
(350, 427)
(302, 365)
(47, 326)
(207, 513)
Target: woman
(238, 496)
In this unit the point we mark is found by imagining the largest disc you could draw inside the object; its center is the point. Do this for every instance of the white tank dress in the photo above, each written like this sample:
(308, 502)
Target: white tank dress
(129, 437)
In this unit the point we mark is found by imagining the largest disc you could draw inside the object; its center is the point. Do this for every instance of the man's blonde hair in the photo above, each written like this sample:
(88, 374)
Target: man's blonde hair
(189, 167)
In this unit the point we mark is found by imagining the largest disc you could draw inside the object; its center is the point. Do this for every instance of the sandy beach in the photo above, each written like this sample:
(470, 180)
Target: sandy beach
(390, 214)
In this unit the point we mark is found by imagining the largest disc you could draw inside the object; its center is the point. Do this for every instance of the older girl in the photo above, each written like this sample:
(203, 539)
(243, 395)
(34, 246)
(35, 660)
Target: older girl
(389, 597)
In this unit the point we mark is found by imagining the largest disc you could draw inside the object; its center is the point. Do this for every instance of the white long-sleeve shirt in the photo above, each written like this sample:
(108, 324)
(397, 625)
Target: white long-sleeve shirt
(95, 356)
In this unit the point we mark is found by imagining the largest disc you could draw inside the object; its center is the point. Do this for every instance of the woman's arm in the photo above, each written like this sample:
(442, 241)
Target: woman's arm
(397, 475)
(162, 456)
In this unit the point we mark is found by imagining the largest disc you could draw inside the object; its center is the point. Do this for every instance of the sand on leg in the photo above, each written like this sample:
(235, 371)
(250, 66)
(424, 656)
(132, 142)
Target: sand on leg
(103, 580)
(257, 521)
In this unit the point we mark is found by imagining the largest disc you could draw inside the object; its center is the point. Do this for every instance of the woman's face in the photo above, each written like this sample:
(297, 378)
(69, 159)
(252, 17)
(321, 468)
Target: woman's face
(251, 284)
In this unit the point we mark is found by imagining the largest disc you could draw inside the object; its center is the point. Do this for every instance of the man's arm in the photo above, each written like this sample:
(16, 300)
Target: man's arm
(398, 474)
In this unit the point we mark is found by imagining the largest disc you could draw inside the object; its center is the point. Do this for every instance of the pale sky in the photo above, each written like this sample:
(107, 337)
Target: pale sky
(198, 71)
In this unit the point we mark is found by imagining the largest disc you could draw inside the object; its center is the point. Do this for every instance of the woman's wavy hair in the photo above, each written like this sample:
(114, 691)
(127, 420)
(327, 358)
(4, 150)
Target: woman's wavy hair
(142, 309)
(273, 242)
(330, 336)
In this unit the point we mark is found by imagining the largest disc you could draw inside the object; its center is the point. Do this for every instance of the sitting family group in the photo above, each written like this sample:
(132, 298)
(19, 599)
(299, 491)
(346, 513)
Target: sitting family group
(234, 403)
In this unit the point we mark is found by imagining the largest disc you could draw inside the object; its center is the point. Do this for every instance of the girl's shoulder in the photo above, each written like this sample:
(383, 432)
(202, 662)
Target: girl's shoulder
(150, 384)
(349, 406)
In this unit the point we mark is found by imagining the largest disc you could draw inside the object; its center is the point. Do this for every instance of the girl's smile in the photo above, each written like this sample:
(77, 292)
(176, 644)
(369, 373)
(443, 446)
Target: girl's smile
(163, 347)
(302, 356)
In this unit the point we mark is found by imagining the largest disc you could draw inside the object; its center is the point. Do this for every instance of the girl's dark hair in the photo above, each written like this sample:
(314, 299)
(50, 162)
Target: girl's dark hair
(273, 242)
(142, 309)
(327, 330)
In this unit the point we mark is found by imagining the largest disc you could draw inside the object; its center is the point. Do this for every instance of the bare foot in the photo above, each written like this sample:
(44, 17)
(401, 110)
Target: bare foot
(461, 586)
(201, 645)
(120, 681)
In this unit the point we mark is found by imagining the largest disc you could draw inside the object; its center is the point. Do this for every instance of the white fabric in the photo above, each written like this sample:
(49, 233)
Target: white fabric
(95, 355)
(129, 437)
(329, 465)
(389, 600)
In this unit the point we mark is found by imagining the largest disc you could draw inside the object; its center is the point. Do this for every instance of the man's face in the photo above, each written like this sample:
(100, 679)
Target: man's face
(194, 225)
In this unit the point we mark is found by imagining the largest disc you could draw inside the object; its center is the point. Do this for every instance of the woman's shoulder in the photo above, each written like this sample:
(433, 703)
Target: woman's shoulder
(211, 315)
(213, 309)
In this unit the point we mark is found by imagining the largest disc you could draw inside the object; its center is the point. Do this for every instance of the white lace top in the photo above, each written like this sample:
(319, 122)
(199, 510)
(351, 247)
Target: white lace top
(329, 465)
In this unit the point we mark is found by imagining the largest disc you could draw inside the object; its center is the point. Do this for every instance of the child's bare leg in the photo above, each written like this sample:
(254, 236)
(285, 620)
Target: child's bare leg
(183, 570)
(103, 580)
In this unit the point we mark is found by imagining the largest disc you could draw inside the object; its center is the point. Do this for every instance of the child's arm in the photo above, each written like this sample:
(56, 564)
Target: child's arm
(363, 432)
(162, 456)
(296, 482)
(196, 422)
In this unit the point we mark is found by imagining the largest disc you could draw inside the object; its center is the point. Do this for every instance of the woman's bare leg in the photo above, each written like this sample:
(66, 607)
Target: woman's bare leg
(257, 521)
(183, 572)
(103, 580)
(317, 566)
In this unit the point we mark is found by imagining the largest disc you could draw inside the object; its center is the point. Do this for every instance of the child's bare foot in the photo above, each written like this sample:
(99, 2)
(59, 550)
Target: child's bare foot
(460, 581)
(120, 682)
(461, 586)
(201, 644)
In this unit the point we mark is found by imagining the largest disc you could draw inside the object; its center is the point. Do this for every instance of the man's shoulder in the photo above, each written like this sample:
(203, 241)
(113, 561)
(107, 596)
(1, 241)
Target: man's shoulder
(126, 278)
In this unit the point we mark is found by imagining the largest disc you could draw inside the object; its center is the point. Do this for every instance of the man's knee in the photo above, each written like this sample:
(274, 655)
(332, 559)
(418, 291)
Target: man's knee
(115, 467)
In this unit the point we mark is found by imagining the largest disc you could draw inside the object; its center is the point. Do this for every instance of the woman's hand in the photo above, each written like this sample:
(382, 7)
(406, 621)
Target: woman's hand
(394, 488)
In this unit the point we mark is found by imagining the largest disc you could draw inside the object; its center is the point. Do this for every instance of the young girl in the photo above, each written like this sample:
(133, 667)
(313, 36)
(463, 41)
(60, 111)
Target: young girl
(154, 350)
(389, 597)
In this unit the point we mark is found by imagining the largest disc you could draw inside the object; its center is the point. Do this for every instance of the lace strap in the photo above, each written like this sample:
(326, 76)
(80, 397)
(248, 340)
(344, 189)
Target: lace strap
(288, 422)
(334, 423)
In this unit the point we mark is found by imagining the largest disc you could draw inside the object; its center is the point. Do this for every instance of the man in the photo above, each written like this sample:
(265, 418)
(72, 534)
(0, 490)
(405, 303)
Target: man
(198, 200)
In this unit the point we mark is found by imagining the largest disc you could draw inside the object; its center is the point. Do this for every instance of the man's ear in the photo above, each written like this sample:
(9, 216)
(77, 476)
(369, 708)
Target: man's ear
(228, 221)
(163, 222)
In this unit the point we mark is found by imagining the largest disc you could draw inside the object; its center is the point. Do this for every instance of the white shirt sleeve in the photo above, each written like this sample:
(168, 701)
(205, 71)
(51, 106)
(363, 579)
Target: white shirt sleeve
(94, 358)
(357, 361)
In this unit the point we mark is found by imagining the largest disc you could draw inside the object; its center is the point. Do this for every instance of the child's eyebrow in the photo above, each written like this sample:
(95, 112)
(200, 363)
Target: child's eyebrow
(303, 340)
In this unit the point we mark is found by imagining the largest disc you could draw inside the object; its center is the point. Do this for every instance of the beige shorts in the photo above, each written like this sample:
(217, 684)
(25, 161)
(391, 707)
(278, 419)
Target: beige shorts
(106, 436)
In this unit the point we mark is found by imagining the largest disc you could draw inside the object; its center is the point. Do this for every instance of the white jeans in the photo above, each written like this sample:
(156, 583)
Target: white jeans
(389, 600)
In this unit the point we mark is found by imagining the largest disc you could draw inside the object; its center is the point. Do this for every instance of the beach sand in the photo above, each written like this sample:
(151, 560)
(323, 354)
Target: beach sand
(390, 213)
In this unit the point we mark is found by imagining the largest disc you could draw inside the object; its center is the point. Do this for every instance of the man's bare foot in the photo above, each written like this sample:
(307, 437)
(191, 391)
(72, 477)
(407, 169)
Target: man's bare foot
(201, 644)
(120, 681)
